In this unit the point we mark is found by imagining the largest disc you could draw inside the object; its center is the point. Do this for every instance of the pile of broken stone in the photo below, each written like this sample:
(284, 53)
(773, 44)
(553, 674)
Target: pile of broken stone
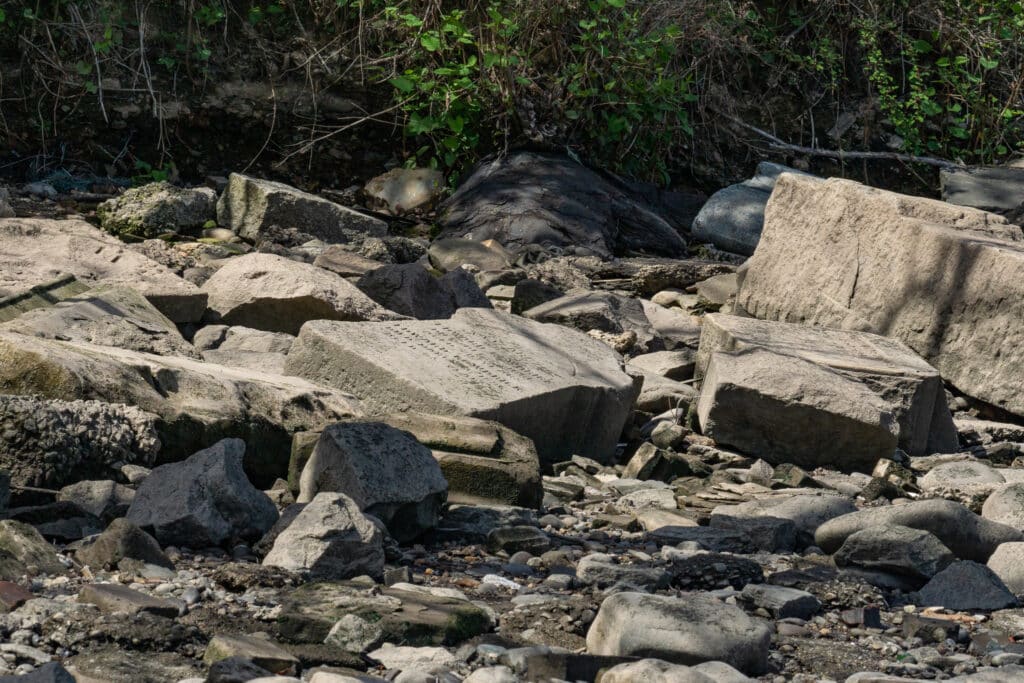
(289, 444)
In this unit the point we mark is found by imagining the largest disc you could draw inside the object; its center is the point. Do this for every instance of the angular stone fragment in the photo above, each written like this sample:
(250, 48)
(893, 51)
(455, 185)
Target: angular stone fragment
(123, 546)
(344, 262)
(1008, 564)
(967, 586)
(993, 188)
(784, 409)
(898, 375)
(938, 277)
(273, 293)
(22, 548)
(98, 497)
(155, 208)
(554, 385)
(410, 289)
(251, 206)
(37, 250)
(601, 570)
(602, 311)
(386, 471)
(262, 652)
(782, 602)
(451, 253)
(113, 598)
(244, 347)
(895, 549)
(1005, 505)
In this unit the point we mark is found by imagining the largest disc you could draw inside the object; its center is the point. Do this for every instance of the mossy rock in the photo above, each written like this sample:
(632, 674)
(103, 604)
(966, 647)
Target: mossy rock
(157, 208)
(22, 548)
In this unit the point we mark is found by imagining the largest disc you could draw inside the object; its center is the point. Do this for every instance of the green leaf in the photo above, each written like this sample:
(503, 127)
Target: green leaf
(402, 84)
(988, 64)
(922, 46)
(616, 3)
(430, 41)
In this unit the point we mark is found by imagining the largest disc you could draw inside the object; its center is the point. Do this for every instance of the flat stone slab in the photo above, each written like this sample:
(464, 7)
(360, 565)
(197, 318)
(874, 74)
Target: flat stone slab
(991, 188)
(566, 391)
(886, 366)
(37, 250)
(260, 651)
(114, 598)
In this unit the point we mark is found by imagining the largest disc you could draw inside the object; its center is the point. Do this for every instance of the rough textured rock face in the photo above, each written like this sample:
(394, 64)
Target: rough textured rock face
(251, 207)
(602, 311)
(50, 442)
(999, 190)
(911, 386)
(157, 208)
(554, 385)
(273, 293)
(197, 404)
(409, 289)
(203, 501)
(938, 277)
(388, 473)
(107, 316)
(530, 198)
(22, 547)
(244, 347)
(785, 409)
(123, 546)
(37, 250)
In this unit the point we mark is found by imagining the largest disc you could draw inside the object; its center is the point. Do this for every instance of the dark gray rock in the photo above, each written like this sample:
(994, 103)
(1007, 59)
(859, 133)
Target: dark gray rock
(896, 549)
(123, 546)
(781, 601)
(965, 586)
(51, 672)
(410, 289)
(601, 570)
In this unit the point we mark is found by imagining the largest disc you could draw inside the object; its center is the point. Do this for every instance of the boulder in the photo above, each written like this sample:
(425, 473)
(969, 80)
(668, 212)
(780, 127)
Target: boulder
(964, 475)
(530, 198)
(732, 219)
(912, 387)
(253, 207)
(784, 409)
(203, 501)
(23, 549)
(113, 598)
(674, 365)
(600, 570)
(98, 497)
(61, 521)
(969, 536)
(659, 671)
(938, 277)
(273, 293)
(155, 208)
(402, 190)
(106, 315)
(409, 289)
(330, 539)
(386, 471)
(51, 442)
(782, 601)
(244, 347)
(690, 630)
(196, 403)
(807, 510)
(602, 311)
(448, 254)
(560, 388)
(123, 546)
(999, 189)
(967, 586)
(37, 250)
(1005, 505)
(895, 549)
(1008, 564)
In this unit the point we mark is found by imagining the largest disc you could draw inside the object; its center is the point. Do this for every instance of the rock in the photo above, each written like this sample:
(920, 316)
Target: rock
(650, 462)
(273, 293)
(602, 311)
(732, 219)
(679, 631)
(492, 674)
(782, 602)
(513, 539)
(244, 347)
(429, 660)
(237, 669)
(963, 476)
(6, 210)
(967, 586)
(123, 546)
(993, 188)
(13, 596)
(658, 671)
(112, 598)
(331, 539)
(1007, 562)
(112, 664)
(600, 570)
(262, 652)
(196, 404)
(719, 290)
(402, 613)
(1006, 505)
(51, 442)
(409, 289)
(51, 672)
(674, 365)
(713, 571)
(530, 198)
(448, 254)
(483, 462)
(98, 497)
(895, 549)
(341, 261)
(253, 207)
(969, 536)
(386, 471)
(784, 409)
(155, 208)
(38, 250)
(43, 295)
(203, 501)
(553, 385)
(402, 190)
(107, 315)
(935, 276)
(61, 521)
(23, 550)
(646, 276)
(912, 388)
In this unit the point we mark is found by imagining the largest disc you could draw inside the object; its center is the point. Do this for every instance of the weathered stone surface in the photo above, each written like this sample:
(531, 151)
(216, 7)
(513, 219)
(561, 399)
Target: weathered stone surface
(51, 442)
(659, 671)
(114, 598)
(1005, 505)
(674, 365)
(43, 295)
(269, 292)
(262, 652)
(646, 276)
(331, 539)
(22, 548)
(530, 198)
(402, 190)
(244, 347)
(967, 585)
(448, 254)
(1008, 564)
(784, 409)
(344, 262)
(807, 510)
(203, 501)
(513, 539)
(123, 546)
(911, 386)
(554, 385)
(602, 311)
(251, 207)
(938, 277)
(156, 208)
(112, 664)
(783, 602)
(687, 630)
(964, 475)
(994, 188)
(483, 461)
(98, 497)
(601, 570)
(733, 217)
(386, 471)
(51, 672)
(969, 536)
(895, 549)
(197, 403)
(409, 289)
(38, 250)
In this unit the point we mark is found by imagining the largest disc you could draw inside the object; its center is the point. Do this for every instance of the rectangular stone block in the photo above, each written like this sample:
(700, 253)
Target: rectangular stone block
(561, 388)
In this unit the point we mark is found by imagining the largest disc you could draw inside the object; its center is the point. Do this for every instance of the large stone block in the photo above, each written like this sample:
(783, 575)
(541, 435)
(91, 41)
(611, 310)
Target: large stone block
(991, 188)
(945, 280)
(912, 388)
(36, 251)
(559, 387)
